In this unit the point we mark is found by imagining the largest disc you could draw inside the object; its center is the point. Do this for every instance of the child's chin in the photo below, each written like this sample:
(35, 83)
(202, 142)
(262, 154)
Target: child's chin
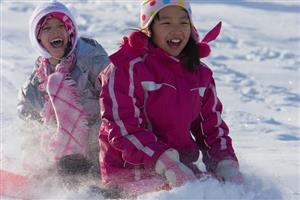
(59, 53)
(174, 54)
(56, 57)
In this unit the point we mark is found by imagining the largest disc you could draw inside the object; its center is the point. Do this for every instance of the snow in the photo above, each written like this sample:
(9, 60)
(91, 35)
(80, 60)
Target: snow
(256, 63)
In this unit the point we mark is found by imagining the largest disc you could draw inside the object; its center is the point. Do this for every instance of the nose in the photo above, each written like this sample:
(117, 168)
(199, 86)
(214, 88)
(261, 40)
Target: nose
(55, 30)
(177, 28)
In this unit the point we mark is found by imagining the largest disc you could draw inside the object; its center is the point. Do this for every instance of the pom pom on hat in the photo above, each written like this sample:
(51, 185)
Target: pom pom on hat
(138, 40)
(203, 49)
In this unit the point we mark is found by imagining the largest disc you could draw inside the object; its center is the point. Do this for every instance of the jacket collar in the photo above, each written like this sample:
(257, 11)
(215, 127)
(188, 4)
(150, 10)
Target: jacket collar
(162, 54)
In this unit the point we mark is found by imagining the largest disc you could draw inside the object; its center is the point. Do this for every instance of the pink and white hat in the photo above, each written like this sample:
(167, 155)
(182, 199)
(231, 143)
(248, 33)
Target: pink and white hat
(44, 12)
(150, 8)
(63, 18)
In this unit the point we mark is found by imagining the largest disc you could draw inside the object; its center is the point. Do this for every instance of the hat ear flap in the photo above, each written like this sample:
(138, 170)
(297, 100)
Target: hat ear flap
(213, 33)
(203, 46)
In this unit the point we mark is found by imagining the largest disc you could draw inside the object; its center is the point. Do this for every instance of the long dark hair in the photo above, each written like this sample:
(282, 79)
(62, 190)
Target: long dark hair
(189, 55)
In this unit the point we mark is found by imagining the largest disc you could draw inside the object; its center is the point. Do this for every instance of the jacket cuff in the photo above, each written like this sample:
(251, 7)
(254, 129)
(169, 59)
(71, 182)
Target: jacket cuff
(166, 160)
(159, 148)
(227, 164)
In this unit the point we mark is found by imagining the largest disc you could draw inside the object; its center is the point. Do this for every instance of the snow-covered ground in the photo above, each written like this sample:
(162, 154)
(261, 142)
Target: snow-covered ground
(256, 63)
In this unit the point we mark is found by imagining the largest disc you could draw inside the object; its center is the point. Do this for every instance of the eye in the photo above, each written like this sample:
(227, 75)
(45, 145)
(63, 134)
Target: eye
(46, 28)
(185, 23)
(165, 23)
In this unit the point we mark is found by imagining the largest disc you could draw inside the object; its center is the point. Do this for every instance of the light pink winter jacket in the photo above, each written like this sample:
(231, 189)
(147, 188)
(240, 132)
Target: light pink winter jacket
(149, 103)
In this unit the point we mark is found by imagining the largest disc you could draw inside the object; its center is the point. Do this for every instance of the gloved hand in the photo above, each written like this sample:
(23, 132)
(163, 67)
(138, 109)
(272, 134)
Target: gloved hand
(175, 172)
(73, 164)
(229, 171)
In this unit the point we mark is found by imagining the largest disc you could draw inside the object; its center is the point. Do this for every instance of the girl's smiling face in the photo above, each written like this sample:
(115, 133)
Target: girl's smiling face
(171, 30)
(54, 37)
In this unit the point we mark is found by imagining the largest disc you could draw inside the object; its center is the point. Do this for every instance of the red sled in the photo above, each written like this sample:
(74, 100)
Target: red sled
(11, 184)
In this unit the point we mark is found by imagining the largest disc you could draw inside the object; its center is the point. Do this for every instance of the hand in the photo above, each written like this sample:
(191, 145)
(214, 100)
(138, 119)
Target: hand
(229, 171)
(174, 171)
(73, 164)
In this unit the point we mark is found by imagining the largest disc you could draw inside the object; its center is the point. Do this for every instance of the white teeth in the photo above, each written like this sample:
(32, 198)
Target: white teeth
(176, 41)
(57, 40)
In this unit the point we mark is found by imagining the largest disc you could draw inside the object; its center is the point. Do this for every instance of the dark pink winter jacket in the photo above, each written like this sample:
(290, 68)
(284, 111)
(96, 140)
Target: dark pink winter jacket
(149, 103)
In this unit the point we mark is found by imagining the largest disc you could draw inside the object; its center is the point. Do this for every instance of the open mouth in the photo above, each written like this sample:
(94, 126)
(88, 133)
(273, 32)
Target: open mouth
(56, 43)
(174, 43)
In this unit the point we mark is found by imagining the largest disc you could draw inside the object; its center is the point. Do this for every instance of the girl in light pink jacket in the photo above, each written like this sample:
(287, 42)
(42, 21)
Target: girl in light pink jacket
(159, 106)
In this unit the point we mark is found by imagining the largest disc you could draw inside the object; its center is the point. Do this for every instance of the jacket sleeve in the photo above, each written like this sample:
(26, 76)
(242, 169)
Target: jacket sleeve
(210, 130)
(30, 100)
(121, 103)
(97, 59)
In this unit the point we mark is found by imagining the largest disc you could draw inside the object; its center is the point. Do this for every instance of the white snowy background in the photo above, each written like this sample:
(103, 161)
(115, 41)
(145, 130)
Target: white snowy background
(256, 63)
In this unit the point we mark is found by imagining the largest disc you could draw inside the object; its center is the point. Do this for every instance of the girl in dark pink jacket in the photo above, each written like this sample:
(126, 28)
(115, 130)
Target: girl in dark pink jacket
(159, 106)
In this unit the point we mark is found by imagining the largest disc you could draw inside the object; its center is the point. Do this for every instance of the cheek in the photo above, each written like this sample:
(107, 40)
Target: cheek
(65, 34)
(158, 37)
(44, 40)
(159, 42)
(188, 31)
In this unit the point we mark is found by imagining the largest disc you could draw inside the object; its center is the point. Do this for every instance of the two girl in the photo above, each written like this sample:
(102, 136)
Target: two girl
(159, 107)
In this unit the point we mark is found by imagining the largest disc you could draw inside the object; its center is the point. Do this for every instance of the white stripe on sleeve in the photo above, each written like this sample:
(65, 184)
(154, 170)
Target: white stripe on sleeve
(220, 130)
(119, 122)
(131, 87)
